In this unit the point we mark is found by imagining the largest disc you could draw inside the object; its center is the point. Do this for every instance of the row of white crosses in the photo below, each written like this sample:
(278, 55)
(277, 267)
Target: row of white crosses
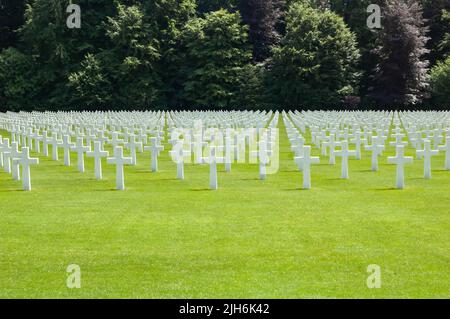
(11, 159)
(331, 130)
(124, 130)
(25, 129)
(222, 144)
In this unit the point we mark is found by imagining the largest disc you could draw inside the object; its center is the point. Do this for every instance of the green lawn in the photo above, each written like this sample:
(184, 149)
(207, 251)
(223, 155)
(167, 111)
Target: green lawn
(165, 238)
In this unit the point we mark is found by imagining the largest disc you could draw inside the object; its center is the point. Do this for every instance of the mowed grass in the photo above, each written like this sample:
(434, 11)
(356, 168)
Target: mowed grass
(165, 238)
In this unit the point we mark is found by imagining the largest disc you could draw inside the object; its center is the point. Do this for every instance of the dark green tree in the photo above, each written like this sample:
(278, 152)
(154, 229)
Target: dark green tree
(401, 76)
(216, 51)
(125, 75)
(355, 16)
(440, 83)
(205, 6)
(262, 17)
(11, 18)
(315, 64)
(439, 26)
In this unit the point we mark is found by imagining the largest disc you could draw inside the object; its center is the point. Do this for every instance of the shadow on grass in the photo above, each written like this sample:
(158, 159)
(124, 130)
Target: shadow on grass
(108, 190)
(12, 190)
(201, 190)
(387, 189)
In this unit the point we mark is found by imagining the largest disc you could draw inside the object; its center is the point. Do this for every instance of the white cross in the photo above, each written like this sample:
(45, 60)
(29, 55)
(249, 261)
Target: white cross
(1, 151)
(228, 151)
(263, 156)
(198, 145)
(119, 160)
(398, 140)
(427, 153)
(25, 161)
(54, 142)
(80, 149)
(400, 160)
(297, 145)
(97, 154)
(154, 149)
(437, 138)
(178, 156)
(213, 160)
(132, 145)
(331, 144)
(15, 154)
(102, 139)
(377, 149)
(115, 141)
(357, 141)
(66, 145)
(29, 137)
(5, 148)
(306, 161)
(37, 138)
(345, 153)
(446, 148)
(45, 142)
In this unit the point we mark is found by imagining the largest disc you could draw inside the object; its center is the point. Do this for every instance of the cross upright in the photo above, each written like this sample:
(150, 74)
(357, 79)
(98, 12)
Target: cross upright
(29, 137)
(213, 160)
(446, 148)
(5, 149)
(45, 142)
(101, 138)
(228, 153)
(97, 154)
(306, 160)
(54, 142)
(66, 144)
(25, 161)
(437, 138)
(427, 153)
(132, 145)
(297, 145)
(37, 141)
(332, 144)
(115, 140)
(357, 140)
(345, 153)
(197, 146)
(1, 151)
(80, 149)
(263, 156)
(154, 149)
(119, 160)
(15, 154)
(398, 140)
(377, 149)
(178, 155)
(400, 160)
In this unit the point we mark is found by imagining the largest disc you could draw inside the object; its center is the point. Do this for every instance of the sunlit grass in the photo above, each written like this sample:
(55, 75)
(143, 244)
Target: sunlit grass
(165, 238)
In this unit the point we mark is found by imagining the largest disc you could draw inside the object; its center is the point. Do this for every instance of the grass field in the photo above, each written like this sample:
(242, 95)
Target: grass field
(165, 238)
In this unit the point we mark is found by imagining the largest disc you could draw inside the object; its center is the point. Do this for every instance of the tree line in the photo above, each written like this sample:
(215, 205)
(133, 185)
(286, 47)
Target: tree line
(227, 54)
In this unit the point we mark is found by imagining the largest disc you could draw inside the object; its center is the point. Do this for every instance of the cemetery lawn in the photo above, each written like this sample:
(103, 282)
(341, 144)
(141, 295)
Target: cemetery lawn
(165, 238)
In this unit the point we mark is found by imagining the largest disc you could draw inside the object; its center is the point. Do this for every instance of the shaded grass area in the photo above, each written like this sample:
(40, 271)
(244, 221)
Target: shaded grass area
(165, 238)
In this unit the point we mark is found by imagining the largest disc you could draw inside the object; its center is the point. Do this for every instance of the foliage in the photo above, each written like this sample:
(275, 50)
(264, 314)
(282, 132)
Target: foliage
(216, 52)
(263, 17)
(440, 83)
(315, 63)
(401, 76)
(164, 53)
